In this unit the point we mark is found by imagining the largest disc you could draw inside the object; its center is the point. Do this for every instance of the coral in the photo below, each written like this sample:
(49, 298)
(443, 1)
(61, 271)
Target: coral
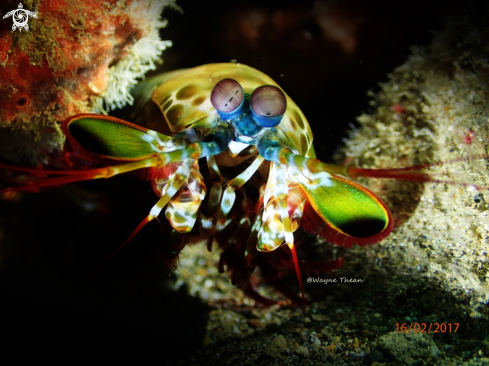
(75, 56)
(435, 108)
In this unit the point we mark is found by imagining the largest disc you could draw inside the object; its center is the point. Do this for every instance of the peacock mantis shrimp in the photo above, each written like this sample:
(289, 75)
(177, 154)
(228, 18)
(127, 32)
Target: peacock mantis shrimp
(231, 115)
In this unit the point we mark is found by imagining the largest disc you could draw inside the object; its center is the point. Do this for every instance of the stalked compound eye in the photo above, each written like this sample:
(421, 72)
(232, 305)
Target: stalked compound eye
(228, 98)
(268, 105)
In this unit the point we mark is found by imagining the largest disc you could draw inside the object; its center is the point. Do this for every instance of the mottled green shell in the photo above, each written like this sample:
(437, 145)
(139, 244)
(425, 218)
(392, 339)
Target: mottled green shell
(184, 99)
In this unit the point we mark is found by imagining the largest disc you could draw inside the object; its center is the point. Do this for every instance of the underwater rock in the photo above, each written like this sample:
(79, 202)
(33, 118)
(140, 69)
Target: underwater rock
(75, 57)
(401, 346)
(434, 108)
(277, 345)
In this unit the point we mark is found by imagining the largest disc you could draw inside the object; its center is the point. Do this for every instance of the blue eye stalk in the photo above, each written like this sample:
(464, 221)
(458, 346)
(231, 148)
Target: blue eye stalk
(267, 103)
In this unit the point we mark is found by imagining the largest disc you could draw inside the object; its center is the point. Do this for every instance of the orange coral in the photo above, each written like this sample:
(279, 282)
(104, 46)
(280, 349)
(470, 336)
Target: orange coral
(58, 67)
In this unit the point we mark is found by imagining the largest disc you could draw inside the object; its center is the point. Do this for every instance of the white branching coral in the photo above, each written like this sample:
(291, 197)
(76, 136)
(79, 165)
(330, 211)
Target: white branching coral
(142, 57)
